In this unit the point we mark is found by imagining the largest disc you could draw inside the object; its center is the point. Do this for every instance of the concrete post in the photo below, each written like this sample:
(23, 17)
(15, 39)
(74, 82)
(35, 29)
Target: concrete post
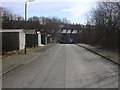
(39, 39)
(45, 39)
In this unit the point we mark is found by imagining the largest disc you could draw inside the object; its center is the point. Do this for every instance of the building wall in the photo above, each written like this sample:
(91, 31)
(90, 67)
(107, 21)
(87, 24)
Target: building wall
(69, 38)
(21, 40)
(75, 38)
(31, 40)
(43, 38)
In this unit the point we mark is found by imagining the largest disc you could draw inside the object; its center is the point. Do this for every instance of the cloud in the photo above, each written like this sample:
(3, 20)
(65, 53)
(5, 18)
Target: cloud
(78, 10)
(13, 0)
(66, 0)
(60, 0)
(75, 11)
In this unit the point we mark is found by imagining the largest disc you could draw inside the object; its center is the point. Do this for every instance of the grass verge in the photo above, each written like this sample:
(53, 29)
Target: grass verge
(107, 53)
(14, 52)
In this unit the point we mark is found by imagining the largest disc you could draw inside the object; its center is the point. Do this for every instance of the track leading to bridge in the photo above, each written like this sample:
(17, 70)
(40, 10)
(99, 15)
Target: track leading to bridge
(64, 66)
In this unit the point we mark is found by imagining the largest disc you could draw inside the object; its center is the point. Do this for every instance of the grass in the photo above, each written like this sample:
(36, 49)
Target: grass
(14, 52)
(108, 53)
(35, 48)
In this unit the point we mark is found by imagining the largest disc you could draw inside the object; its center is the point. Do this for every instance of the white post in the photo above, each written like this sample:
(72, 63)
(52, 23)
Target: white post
(39, 39)
(21, 40)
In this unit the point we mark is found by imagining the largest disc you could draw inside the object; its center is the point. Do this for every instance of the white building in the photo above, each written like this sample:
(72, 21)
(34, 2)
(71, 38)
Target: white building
(13, 39)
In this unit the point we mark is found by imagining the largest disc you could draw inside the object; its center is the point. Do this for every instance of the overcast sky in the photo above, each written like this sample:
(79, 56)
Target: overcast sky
(74, 10)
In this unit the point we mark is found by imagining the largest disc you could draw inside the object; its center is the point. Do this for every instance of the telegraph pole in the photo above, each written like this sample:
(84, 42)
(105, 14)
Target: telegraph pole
(25, 27)
(45, 38)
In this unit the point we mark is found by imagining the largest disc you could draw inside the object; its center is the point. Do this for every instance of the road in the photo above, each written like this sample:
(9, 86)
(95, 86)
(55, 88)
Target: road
(64, 66)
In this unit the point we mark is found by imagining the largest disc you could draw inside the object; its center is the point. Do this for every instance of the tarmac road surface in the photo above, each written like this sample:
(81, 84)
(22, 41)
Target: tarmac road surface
(64, 66)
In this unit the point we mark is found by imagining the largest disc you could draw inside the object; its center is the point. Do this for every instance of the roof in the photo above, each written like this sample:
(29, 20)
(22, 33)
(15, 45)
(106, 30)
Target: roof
(64, 31)
(74, 32)
(30, 31)
(11, 30)
(69, 31)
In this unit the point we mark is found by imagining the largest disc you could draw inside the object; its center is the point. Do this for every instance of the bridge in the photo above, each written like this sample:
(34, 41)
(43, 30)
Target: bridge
(68, 36)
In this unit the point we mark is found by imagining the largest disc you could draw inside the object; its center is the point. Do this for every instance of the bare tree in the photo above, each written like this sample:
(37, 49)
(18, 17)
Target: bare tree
(105, 23)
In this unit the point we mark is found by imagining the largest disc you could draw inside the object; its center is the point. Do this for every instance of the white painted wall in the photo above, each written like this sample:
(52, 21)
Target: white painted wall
(21, 40)
(39, 39)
